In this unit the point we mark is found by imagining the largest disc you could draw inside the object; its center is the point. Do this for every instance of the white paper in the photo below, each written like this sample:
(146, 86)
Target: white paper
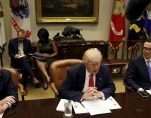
(149, 91)
(60, 106)
(79, 108)
(111, 103)
(95, 107)
(1, 115)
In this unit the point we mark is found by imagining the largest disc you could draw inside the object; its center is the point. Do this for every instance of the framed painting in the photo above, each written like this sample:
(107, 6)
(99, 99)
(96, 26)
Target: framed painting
(65, 11)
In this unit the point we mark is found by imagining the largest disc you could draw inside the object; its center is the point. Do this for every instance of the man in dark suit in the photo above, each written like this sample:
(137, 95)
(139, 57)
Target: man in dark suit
(8, 91)
(19, 49)
(88, 81)
(139, 72)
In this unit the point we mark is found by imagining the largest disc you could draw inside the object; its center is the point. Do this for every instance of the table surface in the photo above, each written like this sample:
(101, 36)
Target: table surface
(133, 106)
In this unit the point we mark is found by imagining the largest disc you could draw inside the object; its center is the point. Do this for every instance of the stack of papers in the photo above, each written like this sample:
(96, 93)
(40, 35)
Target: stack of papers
(93, 107)
(149, 91)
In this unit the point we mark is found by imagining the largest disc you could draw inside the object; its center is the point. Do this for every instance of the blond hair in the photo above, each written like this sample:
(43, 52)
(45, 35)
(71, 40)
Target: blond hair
(92, 54)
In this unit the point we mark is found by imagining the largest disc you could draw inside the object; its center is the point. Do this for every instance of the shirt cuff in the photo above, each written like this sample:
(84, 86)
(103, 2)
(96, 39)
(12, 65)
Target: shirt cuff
(140, 89)
(103, 97)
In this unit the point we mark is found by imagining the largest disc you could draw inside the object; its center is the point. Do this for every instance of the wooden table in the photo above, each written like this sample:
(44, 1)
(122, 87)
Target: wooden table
(133, 106)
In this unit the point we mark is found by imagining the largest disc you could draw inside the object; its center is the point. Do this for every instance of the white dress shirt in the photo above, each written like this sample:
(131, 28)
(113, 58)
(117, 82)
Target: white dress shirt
(87, 77)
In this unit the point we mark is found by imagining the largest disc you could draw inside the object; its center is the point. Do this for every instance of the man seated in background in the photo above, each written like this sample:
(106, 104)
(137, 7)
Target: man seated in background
(8, 91)
(139, 70)
(19, 49)
(89, 80)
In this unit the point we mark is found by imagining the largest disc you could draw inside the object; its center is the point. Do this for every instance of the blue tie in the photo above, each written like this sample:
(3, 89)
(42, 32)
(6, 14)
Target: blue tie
(149, 69)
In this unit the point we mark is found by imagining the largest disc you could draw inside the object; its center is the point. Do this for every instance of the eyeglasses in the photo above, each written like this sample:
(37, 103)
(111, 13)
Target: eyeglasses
(147, 49)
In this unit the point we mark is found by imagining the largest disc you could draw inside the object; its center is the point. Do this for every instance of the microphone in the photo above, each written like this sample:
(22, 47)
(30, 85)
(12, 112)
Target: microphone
(135, 8)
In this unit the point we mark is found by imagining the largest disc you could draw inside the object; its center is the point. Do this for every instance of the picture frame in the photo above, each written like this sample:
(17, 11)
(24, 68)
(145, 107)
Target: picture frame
(67, 11)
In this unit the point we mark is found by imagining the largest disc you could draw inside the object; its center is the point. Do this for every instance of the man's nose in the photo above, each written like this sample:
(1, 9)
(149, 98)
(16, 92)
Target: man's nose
(95, 67)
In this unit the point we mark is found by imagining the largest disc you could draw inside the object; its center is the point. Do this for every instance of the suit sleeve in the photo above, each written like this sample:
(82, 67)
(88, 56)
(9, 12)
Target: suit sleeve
(28, 48)
(11, 88)
(129, 78)
(108, 87)
(67, 89)
(11, 50)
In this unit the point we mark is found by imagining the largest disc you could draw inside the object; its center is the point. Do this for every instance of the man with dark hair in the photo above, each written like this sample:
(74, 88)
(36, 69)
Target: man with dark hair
(19, 49)
(8, 91)
(139, 70)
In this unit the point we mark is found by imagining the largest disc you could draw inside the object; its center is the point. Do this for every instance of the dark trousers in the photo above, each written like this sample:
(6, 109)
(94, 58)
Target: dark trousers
(26, 70)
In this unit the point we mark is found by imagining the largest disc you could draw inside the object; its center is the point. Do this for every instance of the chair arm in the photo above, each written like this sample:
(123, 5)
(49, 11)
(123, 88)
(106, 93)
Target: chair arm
(53, 87)
(22, 91)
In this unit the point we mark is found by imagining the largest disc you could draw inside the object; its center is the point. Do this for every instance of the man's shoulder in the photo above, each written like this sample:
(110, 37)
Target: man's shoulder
(12, 40)
(136, 61)
(140, 58)
(77, 67)
(5, 74)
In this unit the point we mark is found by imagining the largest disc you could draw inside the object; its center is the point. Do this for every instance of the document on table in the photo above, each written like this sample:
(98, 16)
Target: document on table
(60, 106)
(79, 108)
(1, 115)
(95, 107)
(149, 91)
(112, 104)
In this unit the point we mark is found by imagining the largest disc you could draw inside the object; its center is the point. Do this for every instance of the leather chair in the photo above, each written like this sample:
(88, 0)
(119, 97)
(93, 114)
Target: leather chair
(127, 87)
(58, 72)
(15, 77)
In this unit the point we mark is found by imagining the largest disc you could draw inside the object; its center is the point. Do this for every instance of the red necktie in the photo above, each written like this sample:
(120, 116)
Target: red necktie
(91, 81)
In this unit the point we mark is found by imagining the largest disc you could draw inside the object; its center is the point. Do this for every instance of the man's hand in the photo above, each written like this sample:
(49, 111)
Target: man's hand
(2, 109)
(9, 99)
(97, 94)
(6, 103)
(91, 94)
(17, 56)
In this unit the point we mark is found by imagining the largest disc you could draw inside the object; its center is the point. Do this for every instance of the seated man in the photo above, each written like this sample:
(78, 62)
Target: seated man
(139, 70)
(19, 49)
(8, 91)
(88, 81)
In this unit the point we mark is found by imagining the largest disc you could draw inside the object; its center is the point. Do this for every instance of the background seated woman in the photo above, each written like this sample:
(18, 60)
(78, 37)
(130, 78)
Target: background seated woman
(46, 50)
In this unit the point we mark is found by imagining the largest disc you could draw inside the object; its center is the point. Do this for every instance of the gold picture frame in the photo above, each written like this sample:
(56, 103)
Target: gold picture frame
(67, 11)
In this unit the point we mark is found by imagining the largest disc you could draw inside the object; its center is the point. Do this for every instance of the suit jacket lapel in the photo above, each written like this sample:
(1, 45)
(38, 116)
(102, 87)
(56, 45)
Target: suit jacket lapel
(81, 78)
(16, 45)
(24, 45)
(99, 79)
(144, 67)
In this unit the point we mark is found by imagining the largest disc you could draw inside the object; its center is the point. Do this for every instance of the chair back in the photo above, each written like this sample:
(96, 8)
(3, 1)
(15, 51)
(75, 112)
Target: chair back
(14, 75)
(15, 78)
(58, 70)
(127, 87)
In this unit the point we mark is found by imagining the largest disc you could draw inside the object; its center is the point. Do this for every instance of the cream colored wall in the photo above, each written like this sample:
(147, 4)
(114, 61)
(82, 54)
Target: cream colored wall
(7, 20)
(89, 31)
